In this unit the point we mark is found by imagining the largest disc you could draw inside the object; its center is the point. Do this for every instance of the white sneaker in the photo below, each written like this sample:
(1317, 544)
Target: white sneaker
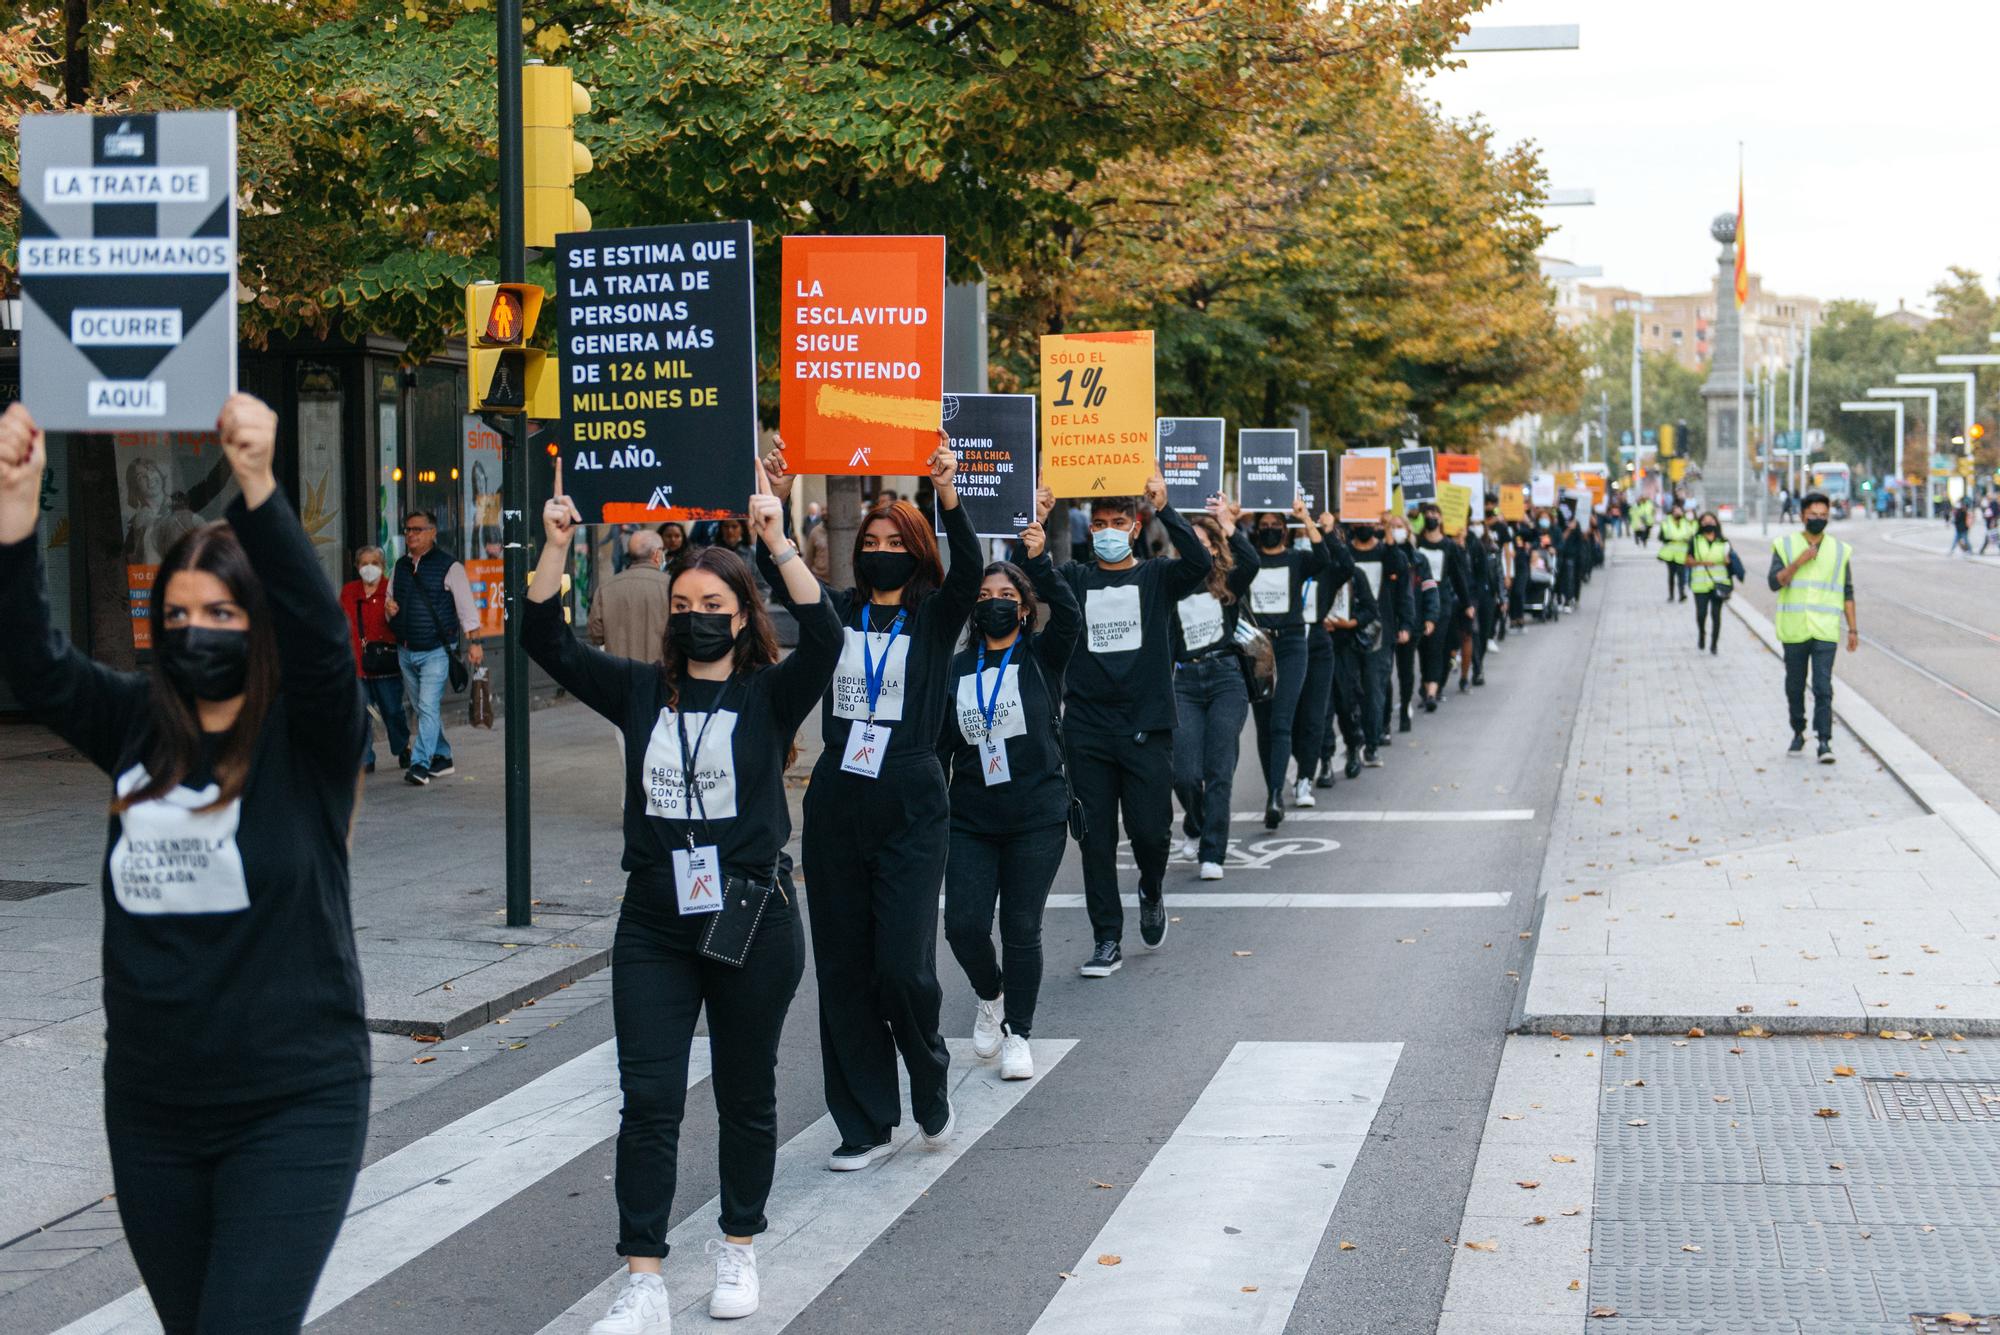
(1189, 850)
(1016, 1062)
(1211, 871)
(986, 1027)
(735, 1279)
(639, 1309)
(1302, 794)
(943, 1136)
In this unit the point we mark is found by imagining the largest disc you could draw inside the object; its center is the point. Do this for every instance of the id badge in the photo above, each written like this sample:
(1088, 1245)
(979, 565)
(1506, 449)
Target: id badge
(867, 744)
(993, 760)
(698, 880)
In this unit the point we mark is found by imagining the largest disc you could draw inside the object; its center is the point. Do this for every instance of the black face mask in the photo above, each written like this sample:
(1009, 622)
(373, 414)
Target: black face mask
(996, 617)
(1708, 530)
(1270, 538)
(885, 571)
(1816, 525)
(205, 663)
(702, 637)
(1364, 537)
(1432, 523)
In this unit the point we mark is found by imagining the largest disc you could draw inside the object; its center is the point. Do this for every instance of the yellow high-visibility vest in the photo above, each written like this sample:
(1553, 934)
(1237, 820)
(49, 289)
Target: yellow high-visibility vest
(1703, 578)
(1810, 607)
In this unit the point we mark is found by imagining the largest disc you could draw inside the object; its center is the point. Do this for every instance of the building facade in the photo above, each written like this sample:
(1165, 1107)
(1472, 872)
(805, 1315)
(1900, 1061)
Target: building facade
(1684, 325)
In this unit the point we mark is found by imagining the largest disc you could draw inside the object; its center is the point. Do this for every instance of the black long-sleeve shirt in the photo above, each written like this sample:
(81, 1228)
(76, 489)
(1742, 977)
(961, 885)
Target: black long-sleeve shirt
(1024, 702)
(1204, 623)
(229, 965)
(1122, 679)
(1341, 589)
(1449, 569)
(1386, 570)
(1277, 594)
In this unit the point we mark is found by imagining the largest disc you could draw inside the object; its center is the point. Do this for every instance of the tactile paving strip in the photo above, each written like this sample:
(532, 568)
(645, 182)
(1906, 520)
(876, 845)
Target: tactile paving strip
(1687, 1203)
(1935, 1203)
(1965, 1165)
(1682, 1162)
(1934, 1100)
(1819, 1302)
(1887, 1247)
(1724, 1245)
(1927, 1322)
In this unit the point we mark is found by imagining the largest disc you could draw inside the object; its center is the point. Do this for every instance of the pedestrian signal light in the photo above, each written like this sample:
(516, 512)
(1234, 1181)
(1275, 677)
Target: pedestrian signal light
(1978, 431)
(551, 159)
(508, 373)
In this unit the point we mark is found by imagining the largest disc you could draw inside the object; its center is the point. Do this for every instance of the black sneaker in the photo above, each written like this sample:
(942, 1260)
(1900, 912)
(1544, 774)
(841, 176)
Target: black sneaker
(849, 1157)
(1153, 920)
(1479, 679)
(1103, 962)
(1325, 779)
(1403, 724)
(1798, 746)
(416, 776)
(1430, 707)
(941, 1136)
(1353, 768)
(368, 768)
(1274, 809)
(1370, 760)
(441, 766)
(1826, 753)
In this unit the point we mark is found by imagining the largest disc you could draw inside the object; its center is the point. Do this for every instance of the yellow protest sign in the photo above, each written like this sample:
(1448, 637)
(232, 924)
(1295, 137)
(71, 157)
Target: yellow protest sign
(1565, 481)
(1513, 504)
(1455, 502)
(1097, 413)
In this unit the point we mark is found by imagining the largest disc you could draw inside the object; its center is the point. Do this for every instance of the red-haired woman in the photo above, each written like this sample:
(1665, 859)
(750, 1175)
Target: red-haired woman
(877, 819)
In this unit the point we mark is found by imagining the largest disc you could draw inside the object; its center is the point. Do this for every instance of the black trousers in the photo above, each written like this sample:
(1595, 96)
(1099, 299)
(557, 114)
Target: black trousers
(1677, 579)
(1113, 774)
(1350, 720)
(1278, 716)
(1014, 870)
(1482, 631)
(1375, 670)
(1406, 676)
(874, 855)
(1318, 705)
(1708, 617)
(231, 1210)
(1436, 652)
(1210, 702)
(660, 984)
(1818, 656)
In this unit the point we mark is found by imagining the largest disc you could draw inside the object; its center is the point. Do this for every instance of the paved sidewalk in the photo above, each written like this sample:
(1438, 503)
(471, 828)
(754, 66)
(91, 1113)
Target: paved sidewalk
(1698, 877)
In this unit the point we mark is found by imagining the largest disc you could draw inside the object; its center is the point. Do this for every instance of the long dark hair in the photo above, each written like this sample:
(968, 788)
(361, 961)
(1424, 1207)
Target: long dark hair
(918, 541)
(756, 647)
(1223, 560)
(173, 744)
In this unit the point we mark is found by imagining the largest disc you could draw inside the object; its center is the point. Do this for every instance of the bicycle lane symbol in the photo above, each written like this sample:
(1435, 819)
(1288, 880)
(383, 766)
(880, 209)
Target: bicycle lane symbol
(1255, 856)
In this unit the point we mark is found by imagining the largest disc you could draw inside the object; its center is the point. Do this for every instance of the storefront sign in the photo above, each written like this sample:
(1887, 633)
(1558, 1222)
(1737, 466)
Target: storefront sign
(1097, 413)
(1190, 459)
(1267, 468)
(128, 275)
(994, 435)
(861, 339)
(659, 370)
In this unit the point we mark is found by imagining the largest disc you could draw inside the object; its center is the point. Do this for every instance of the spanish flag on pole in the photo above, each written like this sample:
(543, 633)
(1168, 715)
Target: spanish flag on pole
(1742, 253)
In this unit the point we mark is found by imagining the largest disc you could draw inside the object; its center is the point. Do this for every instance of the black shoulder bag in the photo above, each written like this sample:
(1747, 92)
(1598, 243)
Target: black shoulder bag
(378, 657)
(454, 660)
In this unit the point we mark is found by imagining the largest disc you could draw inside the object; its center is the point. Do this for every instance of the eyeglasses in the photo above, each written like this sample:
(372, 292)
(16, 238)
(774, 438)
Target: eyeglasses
(416, 528)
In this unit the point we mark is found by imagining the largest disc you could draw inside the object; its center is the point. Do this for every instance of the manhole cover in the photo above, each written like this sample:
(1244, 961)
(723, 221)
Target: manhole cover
(19, 890)
(1945, 1323)
(1934, 1100)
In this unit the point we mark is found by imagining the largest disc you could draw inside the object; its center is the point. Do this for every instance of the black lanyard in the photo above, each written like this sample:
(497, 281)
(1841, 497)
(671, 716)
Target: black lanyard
(691, 799)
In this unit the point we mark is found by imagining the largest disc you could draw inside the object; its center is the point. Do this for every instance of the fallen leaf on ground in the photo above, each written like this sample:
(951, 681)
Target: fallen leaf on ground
(1720, 1098)
(1575, 1285)
(1104, 1186)
(1490, 1245)
(1745, 1009)
(1697, 1032)
(1689, 1247)
(1843, 1070)
(419, 1061)
(1572, 1211)
(1527, 1184)
(1346, 1246)
(1249, 1288)
(1561, 1158)
(1242, 954)
(1637, 1121)
(1510, 1117)
(1109, 1259)
(1065, 1274)
(1604, 1311)
(1538, 1219)
(1827, 1112)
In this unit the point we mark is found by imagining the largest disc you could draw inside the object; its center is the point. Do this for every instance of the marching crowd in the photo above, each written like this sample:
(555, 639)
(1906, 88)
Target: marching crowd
(977, 715)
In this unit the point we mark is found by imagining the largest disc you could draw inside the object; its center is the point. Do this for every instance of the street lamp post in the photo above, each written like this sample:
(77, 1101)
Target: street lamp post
(1929, 396)
(1896, 450)
(1964, 378)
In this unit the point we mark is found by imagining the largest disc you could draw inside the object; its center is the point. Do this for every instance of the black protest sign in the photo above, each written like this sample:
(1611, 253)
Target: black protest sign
(1416, 473)
(994, 436)
(1190, 459)
(1313, 482)
(659, 370)
(1267, 468)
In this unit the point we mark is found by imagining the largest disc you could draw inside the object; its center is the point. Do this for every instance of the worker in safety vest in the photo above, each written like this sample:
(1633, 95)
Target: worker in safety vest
(1642, 520)
(1676, 530)
(1812, 574)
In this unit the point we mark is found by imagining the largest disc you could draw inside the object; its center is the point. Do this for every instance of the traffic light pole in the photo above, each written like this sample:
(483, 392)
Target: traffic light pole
(514, 483)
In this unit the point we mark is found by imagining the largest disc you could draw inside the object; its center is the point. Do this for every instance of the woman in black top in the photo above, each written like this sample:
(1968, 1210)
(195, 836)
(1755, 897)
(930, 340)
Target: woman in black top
(702, 862)
(225, 889)
(1211, 699)
(878, 822)
(1009, 794)
(1278, 596)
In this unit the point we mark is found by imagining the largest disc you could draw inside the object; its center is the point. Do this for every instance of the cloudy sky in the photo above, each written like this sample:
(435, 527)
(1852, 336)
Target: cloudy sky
(1871, 156)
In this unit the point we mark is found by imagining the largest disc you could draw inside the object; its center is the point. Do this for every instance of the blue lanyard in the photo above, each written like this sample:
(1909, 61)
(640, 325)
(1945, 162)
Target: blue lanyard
(691, 799)
(988, 708)
(874, 676)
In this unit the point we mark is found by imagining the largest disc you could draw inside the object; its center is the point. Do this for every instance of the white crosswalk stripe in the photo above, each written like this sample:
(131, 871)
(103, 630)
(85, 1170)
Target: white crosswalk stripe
(1217, 1234)
(1396, 817)
(822, 1221)
(1470, 899)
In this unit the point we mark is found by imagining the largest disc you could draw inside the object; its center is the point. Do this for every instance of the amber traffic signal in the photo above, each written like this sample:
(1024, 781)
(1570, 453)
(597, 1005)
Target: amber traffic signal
(551, 159)
(507, 373)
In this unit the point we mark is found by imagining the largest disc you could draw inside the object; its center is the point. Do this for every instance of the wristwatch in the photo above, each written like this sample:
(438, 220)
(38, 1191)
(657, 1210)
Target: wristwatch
(790, 553)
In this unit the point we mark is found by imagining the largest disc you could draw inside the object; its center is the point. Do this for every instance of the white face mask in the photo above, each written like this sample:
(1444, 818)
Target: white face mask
(370, 573)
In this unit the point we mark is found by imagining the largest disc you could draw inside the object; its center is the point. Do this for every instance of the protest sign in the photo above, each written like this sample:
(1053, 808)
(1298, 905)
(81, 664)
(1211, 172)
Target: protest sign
(1448, 464)
(1542, 489)
(659, 371)
(1313, 482)
(1475, 491)
(1097, 413)
(1455, 504)
(1513, 504)
(127, 264)
(1190, 459)
(994, 435)
(1364, 489)
(1416, 471)
(1267, 464)
(861, 340)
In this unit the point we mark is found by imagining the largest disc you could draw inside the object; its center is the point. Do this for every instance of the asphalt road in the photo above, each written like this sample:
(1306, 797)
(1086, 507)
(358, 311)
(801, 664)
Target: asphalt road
(1406, 1001)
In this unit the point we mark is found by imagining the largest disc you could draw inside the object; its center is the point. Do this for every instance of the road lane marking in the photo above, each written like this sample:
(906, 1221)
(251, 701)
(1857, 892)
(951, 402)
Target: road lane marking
(1390, 817)
(407, 1202)
(1484, 899)
(1219, 1231)
(822, 1221)
(1929, 675)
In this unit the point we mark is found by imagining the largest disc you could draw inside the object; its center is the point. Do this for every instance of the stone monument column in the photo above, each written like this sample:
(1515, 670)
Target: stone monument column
(1725, 371)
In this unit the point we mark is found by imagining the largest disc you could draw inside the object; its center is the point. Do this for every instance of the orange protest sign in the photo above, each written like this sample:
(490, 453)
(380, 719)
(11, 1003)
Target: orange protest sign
(1597, 483)
(861, 352)
(1513, 504)
(1450, 464)
(1364, 489)
(1097, 413)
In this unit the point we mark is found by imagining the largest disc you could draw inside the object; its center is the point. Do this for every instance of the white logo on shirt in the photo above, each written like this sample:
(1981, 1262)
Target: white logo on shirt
(1201, 621)
(1271, 590)
(173, 858)
(1339, 611)
(1372, 571)
(850, 678)
(714, 767)
(1009, 719)
(1113, 616)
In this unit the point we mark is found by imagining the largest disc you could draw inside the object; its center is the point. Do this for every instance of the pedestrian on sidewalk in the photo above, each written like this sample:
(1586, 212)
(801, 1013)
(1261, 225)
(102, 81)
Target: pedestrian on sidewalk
(878, 820)
(628, 615)
(1211, 698)
(365, 600)
(1676, 530)
(1961, 530)
(1010, 797)
(1352, 623)
(1812, 574)
(1642, 520)
(431, 611)
(1990, 510)
(1445, 574)
(225, 888)
(1419, 605)
(709, 922)
(1279, 597)
(1386, 569)
(1713, 568)
(1118, 710)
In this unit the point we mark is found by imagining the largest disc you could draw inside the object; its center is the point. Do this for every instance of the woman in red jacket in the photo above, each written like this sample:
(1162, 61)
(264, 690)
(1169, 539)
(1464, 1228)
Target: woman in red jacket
(364, 601)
